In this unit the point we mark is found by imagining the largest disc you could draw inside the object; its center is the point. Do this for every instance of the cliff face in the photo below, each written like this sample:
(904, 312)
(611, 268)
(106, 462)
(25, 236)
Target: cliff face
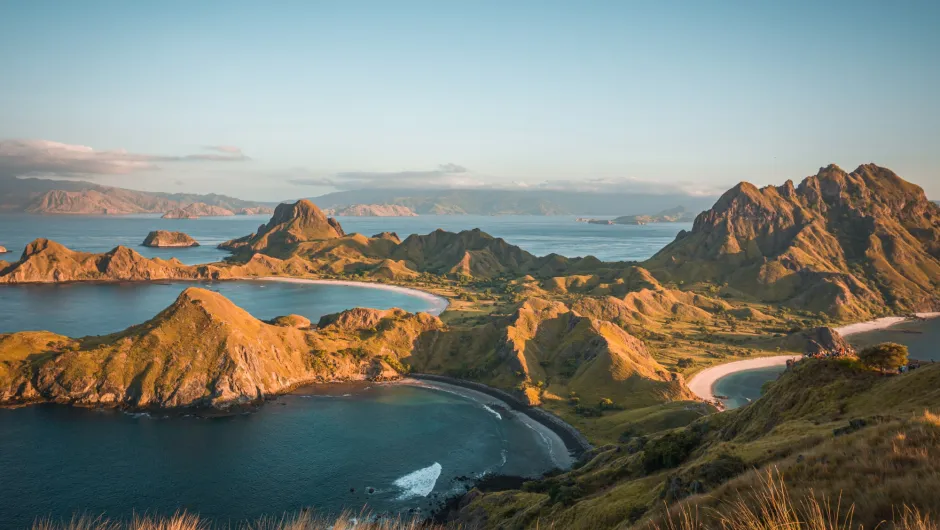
(290, 224)
(850, 244)
(201, 351)
(164, 238)
(373, 210)
(46, 261)
(197, 210)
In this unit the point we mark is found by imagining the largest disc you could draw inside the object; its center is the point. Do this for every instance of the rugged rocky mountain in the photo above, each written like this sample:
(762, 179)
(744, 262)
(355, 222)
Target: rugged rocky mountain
(197, 210)
(372, 210)
(291, 223)
(112, 201)
(45, 261)
(301, 231)
(850, 244)
(470, 252)
(549, 342)
(201, 351)
(165, 238)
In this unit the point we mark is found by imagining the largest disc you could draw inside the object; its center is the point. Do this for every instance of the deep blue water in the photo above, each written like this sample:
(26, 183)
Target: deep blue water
(306, 449)
(539, 235)
(79, 309)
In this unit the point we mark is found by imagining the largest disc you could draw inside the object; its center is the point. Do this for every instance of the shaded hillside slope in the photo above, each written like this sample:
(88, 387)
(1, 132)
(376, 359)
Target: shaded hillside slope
(203, 351)
(832, 428)
(852, 245)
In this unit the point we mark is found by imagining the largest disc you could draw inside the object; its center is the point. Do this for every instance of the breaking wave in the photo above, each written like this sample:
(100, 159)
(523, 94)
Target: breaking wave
(498, 415)
(419, 483)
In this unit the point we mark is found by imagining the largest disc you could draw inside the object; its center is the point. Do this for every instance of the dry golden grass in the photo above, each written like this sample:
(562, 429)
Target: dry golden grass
(770, 506)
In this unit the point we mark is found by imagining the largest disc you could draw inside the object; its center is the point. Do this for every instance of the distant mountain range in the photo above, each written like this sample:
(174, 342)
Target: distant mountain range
(514, 202)
(43, 196)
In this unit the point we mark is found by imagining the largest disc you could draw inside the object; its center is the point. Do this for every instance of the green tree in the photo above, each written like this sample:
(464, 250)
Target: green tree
(885, 356)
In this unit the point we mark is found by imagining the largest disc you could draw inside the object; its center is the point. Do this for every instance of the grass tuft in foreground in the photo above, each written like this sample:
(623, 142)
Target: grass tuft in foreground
(771, 507)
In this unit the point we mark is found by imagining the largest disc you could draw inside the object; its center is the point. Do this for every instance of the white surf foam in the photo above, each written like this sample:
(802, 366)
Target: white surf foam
(419, 483)
(498, 415)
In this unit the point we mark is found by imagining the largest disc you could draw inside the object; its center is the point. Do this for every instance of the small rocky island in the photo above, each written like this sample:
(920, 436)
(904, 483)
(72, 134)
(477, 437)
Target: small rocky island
(165, 238)
(3, 249)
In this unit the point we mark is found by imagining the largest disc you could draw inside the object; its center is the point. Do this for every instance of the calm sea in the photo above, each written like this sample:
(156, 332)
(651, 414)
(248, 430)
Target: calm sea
(539, 235)
(306, 449)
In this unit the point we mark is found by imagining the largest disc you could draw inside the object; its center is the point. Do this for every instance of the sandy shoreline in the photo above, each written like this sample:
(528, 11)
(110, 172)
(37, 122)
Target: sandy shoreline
(702, 384)
(440, 303)
(879, 323)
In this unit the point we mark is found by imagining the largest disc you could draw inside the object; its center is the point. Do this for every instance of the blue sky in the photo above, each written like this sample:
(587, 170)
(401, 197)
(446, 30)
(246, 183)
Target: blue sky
(285, 99)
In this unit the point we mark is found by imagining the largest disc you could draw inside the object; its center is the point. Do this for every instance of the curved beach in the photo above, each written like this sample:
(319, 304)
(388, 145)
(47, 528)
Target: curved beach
(440, 303)
(879, 323)
(703, 383)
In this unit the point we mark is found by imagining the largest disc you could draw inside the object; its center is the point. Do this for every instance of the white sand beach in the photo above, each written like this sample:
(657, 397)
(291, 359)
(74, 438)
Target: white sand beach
(440, 303)
(878, 323)
(703, 382)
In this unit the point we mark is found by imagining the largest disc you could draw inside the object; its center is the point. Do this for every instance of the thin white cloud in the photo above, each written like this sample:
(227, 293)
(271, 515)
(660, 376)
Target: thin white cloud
(444, 176)
(453, 176)
(45, 157)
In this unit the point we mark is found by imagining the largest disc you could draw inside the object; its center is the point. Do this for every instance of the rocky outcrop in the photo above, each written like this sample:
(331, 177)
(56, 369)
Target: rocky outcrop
(197, 210)
(373, 210)
(848, 244)
(291, 321)
(202, 351)
(826, 342)
(45, 261)
(165, 238)
(291, 223)
(3, 250)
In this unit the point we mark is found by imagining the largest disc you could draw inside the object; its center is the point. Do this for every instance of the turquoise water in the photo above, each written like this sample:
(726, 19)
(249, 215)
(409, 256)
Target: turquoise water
(922, 339)
(307, 449)
(79, 309)
(539, 235)
(740, 388)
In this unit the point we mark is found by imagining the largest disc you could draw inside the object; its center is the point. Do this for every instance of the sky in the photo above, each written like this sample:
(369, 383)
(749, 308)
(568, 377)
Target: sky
(277, 100)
